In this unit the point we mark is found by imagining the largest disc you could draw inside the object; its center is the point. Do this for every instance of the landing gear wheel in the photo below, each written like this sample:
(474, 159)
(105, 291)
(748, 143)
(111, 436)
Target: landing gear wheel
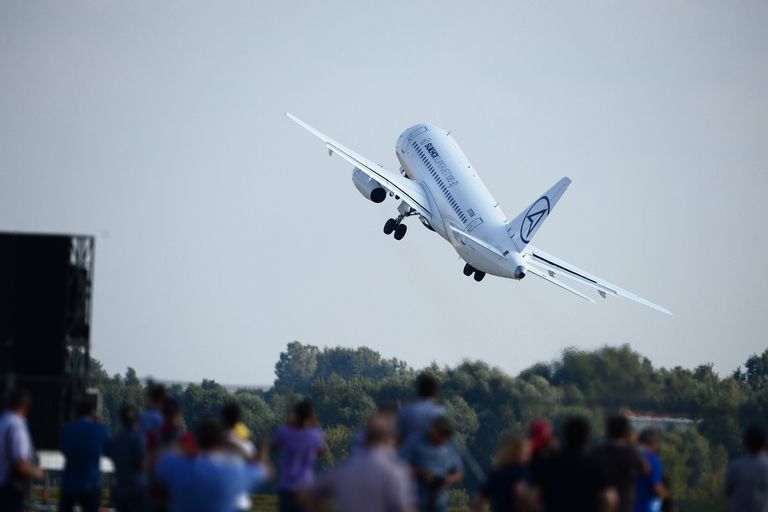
(468, 270)
(400, 231)
(479, 275)
(390, 226)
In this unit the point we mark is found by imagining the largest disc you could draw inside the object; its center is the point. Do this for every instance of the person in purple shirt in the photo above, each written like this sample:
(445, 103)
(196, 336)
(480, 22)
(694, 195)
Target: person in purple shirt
(211, 480)
(299, 442)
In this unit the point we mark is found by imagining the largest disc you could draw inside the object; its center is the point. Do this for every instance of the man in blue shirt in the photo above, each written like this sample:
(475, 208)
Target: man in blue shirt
(436, 463)
(151, 419)
(212, 480)
(83, 442)
(649, 490)
(415, 418)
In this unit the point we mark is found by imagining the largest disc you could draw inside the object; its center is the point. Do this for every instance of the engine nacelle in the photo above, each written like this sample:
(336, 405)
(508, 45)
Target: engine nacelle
(368, 187)
(516, 262)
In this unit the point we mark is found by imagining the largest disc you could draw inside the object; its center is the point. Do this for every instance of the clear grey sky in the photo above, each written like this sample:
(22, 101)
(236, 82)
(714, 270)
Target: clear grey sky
(224, 231)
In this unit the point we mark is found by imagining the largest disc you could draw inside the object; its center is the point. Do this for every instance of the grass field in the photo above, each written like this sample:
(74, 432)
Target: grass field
(47, 500)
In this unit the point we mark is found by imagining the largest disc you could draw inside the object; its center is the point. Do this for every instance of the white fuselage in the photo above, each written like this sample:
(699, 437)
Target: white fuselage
(430, 155)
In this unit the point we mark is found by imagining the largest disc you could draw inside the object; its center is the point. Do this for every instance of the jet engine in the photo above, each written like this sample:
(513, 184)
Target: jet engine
(517, 263)
(368, 187)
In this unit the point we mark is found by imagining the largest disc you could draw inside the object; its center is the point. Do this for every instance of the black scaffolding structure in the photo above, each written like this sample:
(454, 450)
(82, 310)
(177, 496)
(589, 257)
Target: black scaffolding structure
(46, 284)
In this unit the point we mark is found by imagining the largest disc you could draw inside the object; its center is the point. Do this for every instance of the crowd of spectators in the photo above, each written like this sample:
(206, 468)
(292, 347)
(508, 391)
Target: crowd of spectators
(402, 461)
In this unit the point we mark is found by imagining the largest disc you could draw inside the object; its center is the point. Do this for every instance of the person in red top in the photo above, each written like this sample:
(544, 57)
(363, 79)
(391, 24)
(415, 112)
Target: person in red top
(543, 443)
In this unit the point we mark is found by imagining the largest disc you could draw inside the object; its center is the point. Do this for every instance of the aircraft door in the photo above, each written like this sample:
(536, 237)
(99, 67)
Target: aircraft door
(472, 225)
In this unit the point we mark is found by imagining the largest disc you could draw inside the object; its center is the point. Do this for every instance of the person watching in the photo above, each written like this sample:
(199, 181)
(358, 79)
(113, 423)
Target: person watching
(373, 479)
(299, 442)
(129, 457)
(435, 463)
(82, 443)
(650, 489)
(507, 487)
(620, 461)
(17, 468)
(746, 482)
(211, 480)
(570, 480)
(416, 418)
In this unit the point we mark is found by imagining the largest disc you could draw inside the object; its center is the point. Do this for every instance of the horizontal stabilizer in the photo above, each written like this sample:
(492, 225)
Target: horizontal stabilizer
(554, 281)
(553, 265)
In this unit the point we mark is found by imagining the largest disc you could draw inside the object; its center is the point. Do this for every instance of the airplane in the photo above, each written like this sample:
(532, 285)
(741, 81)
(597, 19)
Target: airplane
(437, 183)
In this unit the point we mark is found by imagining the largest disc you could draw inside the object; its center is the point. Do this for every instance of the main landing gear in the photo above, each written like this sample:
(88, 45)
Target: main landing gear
(469, 270)
(396, 225)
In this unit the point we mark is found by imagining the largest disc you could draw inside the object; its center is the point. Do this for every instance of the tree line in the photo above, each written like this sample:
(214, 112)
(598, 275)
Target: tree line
(346, 386)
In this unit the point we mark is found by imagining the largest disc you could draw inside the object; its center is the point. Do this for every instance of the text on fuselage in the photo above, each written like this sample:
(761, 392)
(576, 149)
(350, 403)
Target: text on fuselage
(441, 165)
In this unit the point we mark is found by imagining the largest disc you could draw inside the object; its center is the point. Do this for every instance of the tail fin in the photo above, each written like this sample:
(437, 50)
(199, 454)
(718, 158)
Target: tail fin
(525, 225)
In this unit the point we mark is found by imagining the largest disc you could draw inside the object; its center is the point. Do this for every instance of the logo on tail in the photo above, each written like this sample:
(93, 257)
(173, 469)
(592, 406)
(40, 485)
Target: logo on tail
(533, 217)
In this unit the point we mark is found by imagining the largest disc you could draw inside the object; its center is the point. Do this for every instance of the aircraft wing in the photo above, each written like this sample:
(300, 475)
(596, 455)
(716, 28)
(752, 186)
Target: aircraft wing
(554, 266)
(409, 191)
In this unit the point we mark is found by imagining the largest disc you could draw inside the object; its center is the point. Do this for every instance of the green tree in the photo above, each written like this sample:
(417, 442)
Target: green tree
(756, 372)
(338, 440)
(361, 362)
(342, 402)
(296, 367)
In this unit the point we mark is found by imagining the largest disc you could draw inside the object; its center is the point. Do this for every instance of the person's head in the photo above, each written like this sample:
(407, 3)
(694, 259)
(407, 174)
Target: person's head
(86, 406)
(754, 439)
(650, 438)
(576, 433)
(540, 434)
(19, 401)
(231, 415)
(618, 428)
(171, 411)
(304, 413)
(209, 434)
(129, 417)
(156, 395)
(440, 431)
(380, 430)
(427, 386)
(514, 449)
(386, 409)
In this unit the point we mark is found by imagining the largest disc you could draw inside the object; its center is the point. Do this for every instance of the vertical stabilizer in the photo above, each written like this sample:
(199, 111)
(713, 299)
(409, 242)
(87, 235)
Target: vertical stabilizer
(525, 225)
